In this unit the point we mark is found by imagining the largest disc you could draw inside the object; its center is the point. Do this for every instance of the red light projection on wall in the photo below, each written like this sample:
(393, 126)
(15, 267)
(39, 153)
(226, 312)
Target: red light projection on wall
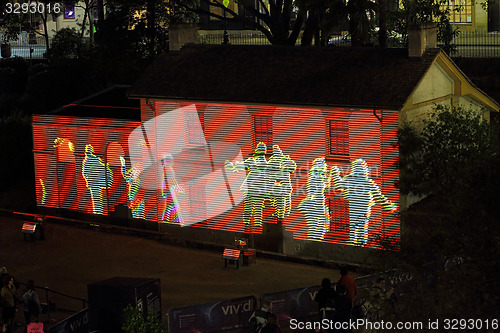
(59, 152)
(312, 153)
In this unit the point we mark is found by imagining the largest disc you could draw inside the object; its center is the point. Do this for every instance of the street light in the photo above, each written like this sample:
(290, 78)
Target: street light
(225, 36)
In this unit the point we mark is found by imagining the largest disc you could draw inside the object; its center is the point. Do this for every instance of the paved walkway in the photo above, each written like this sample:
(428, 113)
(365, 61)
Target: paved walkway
(71, 257)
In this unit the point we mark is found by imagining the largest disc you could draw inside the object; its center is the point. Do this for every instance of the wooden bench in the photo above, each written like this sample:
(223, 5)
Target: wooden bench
(231, 255)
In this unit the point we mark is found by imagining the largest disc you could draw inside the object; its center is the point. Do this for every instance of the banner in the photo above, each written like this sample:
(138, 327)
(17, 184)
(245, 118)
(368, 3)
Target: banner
(212, 317)
(297, 303)
(77, 323)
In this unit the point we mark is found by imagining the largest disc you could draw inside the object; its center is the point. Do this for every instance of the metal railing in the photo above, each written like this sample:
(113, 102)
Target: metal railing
(469, 44)
(237, 38)
(477, 44)
(28, 46)
(53, 297)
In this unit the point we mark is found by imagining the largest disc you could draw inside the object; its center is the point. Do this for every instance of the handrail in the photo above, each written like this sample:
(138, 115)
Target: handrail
(47, 290)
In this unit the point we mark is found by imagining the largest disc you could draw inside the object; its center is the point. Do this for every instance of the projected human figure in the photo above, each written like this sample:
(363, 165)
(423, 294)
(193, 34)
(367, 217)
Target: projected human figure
(256, 185)
(132, 178)
(97, 175)
(280, 168)
(170, 187)
(314, 205)
(362, 193)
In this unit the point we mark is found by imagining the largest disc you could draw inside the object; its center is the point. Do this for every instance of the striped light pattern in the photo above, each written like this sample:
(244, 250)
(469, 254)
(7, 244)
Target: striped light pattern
(203, 183)
(314, 205)
(362, 193)
(98, 176)
(61, 157)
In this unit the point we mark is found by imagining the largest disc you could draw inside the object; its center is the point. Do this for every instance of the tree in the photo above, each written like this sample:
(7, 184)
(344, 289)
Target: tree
(324, 17)
(87, 6)
(69, 44)
(360, 14)
(449, 154)
(450, 240)
(139, 26)
(279, 20)
(423, 11)
(12, 24)
(382, 23)
(57, 9)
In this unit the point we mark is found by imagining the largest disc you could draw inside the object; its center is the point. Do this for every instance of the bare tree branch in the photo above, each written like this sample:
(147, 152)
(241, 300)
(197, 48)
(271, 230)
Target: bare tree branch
(263, 5)
(273, 20)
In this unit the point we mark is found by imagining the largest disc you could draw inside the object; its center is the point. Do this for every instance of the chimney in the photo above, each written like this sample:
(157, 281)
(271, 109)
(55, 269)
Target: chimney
(420, 37)
(180, 34)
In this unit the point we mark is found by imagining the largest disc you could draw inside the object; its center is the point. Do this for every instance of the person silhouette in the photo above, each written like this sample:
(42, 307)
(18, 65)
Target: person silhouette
(280, 167)
(170, 187)
(314, 205)
(361, 192)
(256, 186)
(97, 175)
(131, 176)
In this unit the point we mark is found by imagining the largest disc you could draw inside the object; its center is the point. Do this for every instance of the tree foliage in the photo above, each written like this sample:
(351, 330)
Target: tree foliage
(12, 24)
(424, 11)
(140, 26)
(450, 239)
(279, 20)
(69, 44)
(449, 155)
(136, 322)
(361, 25)
(282, 21)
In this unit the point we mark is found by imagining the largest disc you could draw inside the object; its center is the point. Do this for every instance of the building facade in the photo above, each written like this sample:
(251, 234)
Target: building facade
(216, 154)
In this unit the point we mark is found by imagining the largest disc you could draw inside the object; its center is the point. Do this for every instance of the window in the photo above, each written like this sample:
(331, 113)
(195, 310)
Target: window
(338, 133)
(460, 11)
(263, 130)
(197, 202)
(69, 11)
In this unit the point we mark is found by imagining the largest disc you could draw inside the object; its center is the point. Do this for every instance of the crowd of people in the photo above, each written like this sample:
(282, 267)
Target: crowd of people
(13, 298)
(338, 303)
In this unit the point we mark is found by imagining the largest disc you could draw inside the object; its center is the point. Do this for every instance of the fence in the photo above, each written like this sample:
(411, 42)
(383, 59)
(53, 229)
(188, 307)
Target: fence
(477, 44)
(237, 38)
(27, 47)
(469, 44)
(50, 298)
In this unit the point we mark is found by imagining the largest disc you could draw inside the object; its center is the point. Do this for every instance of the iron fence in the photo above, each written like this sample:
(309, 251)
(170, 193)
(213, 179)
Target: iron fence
(476, 44)
(468, 44)
(27, 46)
(236, 38)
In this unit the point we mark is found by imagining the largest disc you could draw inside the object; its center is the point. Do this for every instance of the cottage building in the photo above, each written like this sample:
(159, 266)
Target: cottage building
(294, 147)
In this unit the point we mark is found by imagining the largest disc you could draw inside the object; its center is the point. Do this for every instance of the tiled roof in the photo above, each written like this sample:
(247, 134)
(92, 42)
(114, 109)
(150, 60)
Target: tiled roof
(357, 77)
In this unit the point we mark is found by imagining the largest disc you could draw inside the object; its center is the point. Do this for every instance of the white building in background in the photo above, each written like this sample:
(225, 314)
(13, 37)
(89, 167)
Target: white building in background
(72, 15)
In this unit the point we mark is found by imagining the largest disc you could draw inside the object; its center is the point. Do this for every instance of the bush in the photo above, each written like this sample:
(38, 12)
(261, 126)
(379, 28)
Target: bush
(136, 322)
(68, 44)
